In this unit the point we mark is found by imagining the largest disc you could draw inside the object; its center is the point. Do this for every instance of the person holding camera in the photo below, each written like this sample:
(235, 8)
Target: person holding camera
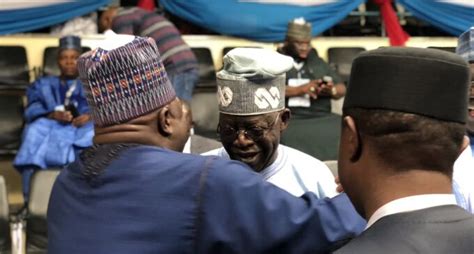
(311, 83)
(57, 117)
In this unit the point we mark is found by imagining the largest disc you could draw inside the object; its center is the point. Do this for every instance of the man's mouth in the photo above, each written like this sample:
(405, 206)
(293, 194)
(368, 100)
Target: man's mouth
(247, 155)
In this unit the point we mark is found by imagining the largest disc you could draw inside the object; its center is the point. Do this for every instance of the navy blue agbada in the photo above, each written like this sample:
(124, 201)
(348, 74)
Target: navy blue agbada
(152, 200)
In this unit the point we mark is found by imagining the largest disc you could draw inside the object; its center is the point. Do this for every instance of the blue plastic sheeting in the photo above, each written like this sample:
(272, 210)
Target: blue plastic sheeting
(450, 17)
(27, 19)
(256, 20)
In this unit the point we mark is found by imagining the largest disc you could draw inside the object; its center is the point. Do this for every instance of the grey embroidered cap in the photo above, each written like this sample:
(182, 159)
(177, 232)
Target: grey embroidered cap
(252, 81)
(299, 29)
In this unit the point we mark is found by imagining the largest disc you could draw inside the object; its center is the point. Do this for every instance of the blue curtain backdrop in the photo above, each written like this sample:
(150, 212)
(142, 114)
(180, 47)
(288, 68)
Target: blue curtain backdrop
(450, 17)
(258, 21)
(27, 19)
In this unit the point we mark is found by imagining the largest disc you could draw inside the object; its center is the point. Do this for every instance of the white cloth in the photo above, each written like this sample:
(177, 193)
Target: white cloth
(255, 63)
(411, 203)
(79, 26)
(463, 179)
(295, 172)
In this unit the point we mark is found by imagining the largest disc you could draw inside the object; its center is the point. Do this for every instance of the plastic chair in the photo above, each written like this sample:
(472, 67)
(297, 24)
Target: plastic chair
(207, 71)
(341, 59)
(36, 224)
(5, 240)
(14, 71)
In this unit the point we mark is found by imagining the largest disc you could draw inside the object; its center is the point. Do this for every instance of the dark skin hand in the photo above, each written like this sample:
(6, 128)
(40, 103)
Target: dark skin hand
(339, 188)
(66, 117)
(314, 89)
(61, 116)
(81, 120)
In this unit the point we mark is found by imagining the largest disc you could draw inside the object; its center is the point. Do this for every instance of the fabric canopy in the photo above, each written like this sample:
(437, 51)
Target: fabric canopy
(21, 16)
(452, 16)
(261, 20)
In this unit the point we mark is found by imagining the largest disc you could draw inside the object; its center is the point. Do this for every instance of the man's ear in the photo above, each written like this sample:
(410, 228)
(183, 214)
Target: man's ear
(354, 142)
(164, 122)
(285, 116)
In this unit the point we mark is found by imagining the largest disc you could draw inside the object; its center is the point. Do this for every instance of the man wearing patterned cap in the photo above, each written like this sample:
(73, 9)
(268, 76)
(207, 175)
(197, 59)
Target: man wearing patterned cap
(134, 192)
(399, 142)
(251, 91)
(57, 117)
(463, 171)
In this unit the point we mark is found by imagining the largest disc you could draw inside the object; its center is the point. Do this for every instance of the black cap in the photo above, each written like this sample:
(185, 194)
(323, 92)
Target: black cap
(426, 82)
(70, 42)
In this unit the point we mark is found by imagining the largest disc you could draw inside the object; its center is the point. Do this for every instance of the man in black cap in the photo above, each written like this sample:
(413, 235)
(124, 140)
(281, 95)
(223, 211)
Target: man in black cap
(403, 128)
(57, 117)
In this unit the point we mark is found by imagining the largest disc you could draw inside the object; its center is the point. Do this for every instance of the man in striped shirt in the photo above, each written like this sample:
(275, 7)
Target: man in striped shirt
(178, 59)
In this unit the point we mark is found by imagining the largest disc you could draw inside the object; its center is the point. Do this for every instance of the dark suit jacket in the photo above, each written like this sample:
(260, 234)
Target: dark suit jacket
(442, 229)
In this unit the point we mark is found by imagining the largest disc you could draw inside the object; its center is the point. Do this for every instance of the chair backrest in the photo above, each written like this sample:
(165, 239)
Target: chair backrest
(50, 60)
(14, 70)
(11, 120)
(332, 165)
(205, 114)
(449, 49)
(207, 71)
(5, 242)
(36, 224)
(341, 59)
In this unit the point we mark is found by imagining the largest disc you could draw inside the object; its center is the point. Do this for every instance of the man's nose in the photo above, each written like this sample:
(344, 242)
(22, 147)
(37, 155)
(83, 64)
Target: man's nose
(242, 139)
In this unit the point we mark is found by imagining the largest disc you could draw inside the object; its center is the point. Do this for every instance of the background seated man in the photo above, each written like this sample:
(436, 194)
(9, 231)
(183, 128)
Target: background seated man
(135, 192)
(311, 84)
(252, 116)
(398, 147)
(57, 117)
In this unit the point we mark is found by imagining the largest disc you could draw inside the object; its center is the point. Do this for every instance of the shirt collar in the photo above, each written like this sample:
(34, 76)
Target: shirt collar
(276, 166)
(411, 203)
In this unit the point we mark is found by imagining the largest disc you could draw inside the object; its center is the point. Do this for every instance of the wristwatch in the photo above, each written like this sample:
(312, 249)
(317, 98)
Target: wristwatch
(333, 91)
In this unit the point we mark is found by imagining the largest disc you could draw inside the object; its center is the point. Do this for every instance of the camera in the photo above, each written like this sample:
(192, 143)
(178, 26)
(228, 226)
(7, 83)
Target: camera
(72, 109)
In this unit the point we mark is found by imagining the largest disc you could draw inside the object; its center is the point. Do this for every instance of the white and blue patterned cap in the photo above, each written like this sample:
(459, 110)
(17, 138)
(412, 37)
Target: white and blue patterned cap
(252, 81)
(466, 45)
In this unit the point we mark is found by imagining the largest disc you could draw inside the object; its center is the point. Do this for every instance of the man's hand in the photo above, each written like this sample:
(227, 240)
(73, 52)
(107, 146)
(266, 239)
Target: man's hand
(81, 120)
(326, 88)
(61, 116)
(311, 89)
(339, 188)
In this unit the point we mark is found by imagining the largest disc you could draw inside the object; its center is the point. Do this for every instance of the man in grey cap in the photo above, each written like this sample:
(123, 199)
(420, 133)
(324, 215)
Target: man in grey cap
(403, 129)
(251, 92)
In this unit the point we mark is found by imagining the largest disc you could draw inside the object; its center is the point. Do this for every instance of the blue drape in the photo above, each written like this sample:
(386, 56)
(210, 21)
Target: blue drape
(449, 17)
(27, 19)
(257, 21)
